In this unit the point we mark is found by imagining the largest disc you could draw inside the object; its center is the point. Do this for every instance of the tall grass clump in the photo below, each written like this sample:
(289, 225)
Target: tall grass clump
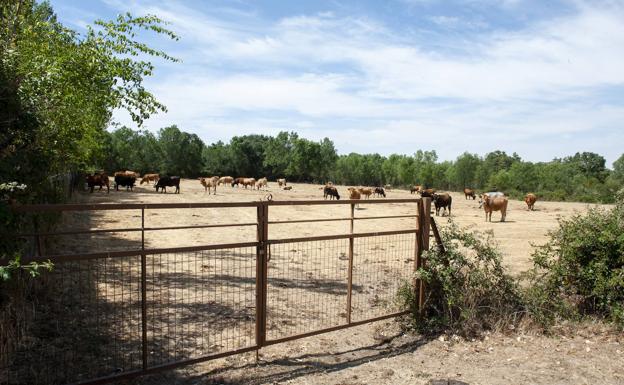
(468, 291)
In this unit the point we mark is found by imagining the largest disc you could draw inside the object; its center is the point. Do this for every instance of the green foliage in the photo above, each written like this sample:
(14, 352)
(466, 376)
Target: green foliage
(468, 290)
(580, 271)
(33, 269)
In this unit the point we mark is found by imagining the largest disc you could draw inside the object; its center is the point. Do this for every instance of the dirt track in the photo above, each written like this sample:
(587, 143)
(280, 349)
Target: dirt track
(365, 354)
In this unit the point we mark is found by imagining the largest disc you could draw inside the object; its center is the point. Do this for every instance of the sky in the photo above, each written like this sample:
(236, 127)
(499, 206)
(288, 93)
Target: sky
(544, 79)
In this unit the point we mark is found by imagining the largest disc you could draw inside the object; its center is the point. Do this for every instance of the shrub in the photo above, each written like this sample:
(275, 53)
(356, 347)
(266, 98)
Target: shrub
(580, 270)
(468, 291)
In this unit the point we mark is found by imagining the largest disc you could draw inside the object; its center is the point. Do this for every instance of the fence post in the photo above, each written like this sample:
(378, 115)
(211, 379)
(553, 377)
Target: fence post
(424, 223)
(261, 273)
(350, 272)
(143, 292)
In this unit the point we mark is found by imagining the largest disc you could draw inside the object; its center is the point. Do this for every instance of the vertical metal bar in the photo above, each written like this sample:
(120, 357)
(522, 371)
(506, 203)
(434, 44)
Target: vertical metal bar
(261, 273)
(418, 248)
(143, 292)
(424, 220)
(350, 272)
(37, 236)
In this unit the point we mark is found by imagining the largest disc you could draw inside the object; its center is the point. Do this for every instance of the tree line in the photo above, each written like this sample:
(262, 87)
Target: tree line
(579, 177)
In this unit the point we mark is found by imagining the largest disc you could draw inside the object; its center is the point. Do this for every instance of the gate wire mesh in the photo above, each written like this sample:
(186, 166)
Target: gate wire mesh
(92, 314)
(200, 303)
(381, 264)
(307, 287)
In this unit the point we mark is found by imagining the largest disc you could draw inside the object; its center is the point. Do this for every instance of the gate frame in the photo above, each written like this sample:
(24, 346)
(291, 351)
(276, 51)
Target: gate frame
(421, 231)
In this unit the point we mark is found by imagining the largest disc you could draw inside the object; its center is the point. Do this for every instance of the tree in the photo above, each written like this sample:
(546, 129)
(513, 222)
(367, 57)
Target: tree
(465, 170)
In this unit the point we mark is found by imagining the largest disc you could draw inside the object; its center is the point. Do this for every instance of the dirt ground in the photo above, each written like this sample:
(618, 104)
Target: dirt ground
(370, 354)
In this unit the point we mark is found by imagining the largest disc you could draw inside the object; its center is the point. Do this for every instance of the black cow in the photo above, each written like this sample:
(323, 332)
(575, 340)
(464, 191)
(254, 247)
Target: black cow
(100, 179)
(125, 181)
(168, 181)
(443, 200)
(332, 192)
(379, 191)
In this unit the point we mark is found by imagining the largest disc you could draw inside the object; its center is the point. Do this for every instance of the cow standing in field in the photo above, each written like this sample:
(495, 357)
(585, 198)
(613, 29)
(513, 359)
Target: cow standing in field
(225, 180)
(209, 183)
(331, 192)
(262, 182)
(530, 200)
(427, 193)
(98, 179)
(124, 181)
(366, 191)
(494, 203)
(251, 182)
(379, 191)
(150, 178)
(440, 201)
(168, 181)
(415, 189)
(468, 192)
(237, 181)
(281, 182)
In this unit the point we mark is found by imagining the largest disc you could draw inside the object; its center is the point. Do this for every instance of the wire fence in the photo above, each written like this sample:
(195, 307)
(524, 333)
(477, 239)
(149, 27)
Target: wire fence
(105, 314)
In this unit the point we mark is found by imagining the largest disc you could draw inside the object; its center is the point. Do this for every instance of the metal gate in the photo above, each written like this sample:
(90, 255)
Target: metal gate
(108, 313)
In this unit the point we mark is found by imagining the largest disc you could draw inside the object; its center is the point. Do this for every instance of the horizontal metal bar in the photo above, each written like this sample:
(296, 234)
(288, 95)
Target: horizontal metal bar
(309, 220)
(388, 217)
(134, 253)
(334, 328)
(339, 236)
(156, 369)
(131, 229)
(340, 202)
(127, 206)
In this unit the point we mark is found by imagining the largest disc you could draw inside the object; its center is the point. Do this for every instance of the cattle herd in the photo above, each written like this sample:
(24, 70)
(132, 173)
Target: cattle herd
(442, 201)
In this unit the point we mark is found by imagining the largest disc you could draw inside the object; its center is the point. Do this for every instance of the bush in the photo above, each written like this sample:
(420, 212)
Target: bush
(468, 291)
(580, 271)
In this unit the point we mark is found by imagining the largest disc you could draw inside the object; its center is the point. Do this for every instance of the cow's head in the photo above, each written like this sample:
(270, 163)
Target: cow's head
(483, 199)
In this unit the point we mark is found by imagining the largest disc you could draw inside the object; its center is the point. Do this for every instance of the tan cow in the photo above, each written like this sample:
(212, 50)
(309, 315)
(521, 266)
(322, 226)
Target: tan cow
(225, 180)
(127, 173)
(249, 182)
(494, 203)
(281, 182)
(262, 182)
(530, 200)
(468, 192)
(366, 191)
(150, 178)
(210, 183)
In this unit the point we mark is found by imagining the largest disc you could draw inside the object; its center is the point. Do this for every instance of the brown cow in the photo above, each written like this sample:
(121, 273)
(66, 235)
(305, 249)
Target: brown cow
(98, 179)
(440, 201)
(251, 182)
(415, 189)
(127, 173)
(468, 192)
(225, 180)
(494, 203)
(354, 193)
(427, 192)
(530, 200)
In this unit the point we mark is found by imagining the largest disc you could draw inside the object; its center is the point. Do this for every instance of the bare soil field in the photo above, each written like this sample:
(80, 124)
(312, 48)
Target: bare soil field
(203, 302)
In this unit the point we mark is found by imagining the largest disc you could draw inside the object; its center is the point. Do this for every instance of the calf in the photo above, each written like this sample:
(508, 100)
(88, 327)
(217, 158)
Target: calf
(440, 201)
(168, 181)
(125, 181)
(331, 192)
(98, 179)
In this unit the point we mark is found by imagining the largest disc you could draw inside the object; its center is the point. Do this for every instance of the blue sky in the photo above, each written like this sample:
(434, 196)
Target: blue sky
(541, 78)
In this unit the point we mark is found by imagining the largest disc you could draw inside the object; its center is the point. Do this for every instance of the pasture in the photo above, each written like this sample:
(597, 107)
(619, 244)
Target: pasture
(203, 302)
(515, 236)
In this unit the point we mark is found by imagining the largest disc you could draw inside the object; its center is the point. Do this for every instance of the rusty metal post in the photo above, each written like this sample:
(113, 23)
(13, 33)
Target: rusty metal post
(418, 249)
(143, 292)
(424, 223)
(261, 274)
(350, 272)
